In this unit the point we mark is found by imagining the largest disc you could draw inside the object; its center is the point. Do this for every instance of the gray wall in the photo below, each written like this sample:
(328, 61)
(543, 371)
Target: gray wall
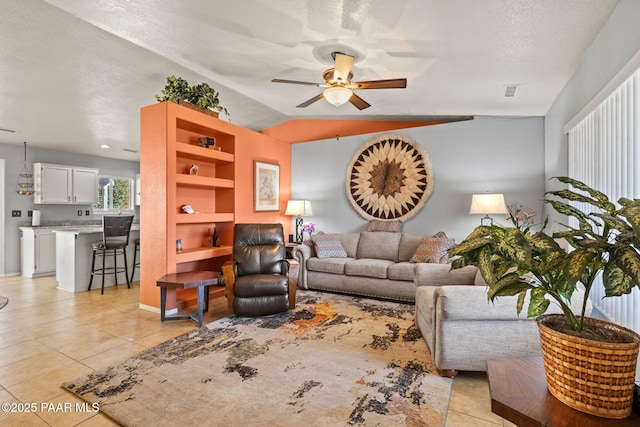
(614, 46)
(503, 155)
(14, 155)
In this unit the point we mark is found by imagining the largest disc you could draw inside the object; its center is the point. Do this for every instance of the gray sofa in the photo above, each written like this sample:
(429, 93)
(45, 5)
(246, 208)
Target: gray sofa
(463, 329)
(460, 326)
(377, 264)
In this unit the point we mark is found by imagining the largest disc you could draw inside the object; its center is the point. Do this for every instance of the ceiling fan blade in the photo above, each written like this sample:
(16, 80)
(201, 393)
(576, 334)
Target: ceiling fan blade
(358, 102)
(310, 101)
(342, 67)
(295, 82)
(380, 84)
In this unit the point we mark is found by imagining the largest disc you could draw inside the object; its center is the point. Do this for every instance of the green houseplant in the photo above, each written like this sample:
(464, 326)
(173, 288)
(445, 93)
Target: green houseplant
(204, 96)
(515, 261)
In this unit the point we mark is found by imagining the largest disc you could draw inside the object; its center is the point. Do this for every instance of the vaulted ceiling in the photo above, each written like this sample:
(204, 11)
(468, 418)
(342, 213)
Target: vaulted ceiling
(75, 73)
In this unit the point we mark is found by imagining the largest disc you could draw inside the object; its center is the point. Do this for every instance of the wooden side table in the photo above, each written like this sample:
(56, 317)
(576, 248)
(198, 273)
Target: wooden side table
(289, 248)
(294, 268)
(201, 280)
(519, 394)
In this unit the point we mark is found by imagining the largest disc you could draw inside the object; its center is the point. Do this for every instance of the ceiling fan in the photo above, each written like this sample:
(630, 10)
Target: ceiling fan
(340, 87)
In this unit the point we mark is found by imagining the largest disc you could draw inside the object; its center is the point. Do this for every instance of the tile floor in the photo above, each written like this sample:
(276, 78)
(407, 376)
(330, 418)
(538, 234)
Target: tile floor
(48, 336)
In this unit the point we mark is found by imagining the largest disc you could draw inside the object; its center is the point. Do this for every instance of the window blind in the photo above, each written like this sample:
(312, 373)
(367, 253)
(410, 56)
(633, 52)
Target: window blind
(604, 153)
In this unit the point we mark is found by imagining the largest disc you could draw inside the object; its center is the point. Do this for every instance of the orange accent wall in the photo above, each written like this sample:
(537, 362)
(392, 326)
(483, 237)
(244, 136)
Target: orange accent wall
(303, 130)
(252, 146)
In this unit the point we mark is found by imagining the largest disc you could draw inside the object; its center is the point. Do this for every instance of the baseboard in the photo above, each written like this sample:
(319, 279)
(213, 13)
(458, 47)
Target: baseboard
(169, 312)
(9, 274)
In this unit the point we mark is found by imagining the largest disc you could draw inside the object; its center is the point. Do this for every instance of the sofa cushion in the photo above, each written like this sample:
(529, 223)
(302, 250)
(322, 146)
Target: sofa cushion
(350, 243)
(379, 245)
(328, 265)
(479, 280)
(328, 246)
(390, 226)
(401, 271)
(408, 245)
(368, 267)
(433, 249)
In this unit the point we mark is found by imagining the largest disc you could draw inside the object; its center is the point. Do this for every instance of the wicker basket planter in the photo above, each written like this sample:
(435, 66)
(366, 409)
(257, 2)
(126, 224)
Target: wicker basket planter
(590, 376)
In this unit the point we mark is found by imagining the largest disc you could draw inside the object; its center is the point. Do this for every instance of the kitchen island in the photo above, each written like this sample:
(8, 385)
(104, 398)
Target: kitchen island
(73, 257)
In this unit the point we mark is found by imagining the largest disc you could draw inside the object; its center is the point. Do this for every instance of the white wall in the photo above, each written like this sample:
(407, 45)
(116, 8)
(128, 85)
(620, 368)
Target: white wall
(14, 155)
(614, 46)
(487, 154)
(2, 218)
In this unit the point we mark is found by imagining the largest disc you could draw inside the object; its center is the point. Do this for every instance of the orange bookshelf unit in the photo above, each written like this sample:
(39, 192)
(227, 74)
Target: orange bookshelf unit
(169, 150)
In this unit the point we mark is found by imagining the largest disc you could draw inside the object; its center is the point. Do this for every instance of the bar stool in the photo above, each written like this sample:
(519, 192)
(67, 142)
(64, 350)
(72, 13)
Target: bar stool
(115, 238)
(136, 250)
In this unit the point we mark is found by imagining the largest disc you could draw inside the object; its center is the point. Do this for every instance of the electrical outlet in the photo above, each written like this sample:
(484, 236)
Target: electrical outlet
(86, 213)
(29, 213)
(79, 213)
(16, 214)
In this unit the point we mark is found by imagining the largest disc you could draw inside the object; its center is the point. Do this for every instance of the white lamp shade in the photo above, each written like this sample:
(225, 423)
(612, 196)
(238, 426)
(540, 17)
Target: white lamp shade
(298, 207)
(488, 204)
(337, 95)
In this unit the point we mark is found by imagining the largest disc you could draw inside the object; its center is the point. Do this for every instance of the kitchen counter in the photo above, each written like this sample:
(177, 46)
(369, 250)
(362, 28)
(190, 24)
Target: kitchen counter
(73, 257)
(84, 229)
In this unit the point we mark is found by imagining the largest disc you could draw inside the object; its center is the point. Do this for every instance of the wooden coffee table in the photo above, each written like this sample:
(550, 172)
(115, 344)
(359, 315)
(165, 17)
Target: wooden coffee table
(519, 394)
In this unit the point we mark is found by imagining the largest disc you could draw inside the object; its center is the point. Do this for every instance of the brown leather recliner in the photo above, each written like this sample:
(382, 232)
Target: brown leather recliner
(260, 270)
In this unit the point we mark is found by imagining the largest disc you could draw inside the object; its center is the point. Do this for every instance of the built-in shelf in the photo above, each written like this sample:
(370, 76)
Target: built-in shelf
(196, 254)
(203, 181)
(169, 148)
(203, 218)
(195, 152)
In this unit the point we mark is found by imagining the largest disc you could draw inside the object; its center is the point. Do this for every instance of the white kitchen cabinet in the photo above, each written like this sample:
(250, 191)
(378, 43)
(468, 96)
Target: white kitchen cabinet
(38, 251)
(85, 186)
(52, 183)
(59, 184)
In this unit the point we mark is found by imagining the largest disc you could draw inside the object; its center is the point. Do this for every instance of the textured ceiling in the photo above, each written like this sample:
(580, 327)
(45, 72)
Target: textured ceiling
(75, 73)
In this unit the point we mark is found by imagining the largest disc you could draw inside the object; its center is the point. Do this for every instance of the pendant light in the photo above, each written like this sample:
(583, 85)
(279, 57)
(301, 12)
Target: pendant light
(25, 178)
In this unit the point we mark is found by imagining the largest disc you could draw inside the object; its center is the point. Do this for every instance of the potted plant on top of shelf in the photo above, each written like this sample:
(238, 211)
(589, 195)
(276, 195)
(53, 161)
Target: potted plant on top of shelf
(517, 261)
(202, 97)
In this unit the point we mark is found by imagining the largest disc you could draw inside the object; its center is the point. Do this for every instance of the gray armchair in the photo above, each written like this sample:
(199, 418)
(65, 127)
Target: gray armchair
(260, 284)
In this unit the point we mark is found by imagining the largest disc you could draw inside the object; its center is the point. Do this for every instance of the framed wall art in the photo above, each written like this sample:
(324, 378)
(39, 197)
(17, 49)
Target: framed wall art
(266, 186)
(389, 178)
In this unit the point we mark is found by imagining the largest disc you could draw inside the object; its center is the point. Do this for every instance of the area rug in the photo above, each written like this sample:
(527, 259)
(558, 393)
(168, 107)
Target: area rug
(3, 301)
(333, 361)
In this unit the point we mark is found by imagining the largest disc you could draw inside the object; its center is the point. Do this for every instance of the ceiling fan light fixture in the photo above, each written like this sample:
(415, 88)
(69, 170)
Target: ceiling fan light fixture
(337, 95)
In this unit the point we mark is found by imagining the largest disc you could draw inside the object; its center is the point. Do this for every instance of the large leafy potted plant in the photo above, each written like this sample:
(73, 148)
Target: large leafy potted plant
(518, 261)
(200, 96)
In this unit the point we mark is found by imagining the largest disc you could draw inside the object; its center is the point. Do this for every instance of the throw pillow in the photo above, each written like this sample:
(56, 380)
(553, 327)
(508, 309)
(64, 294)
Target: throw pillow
(328, 246)
(433, 249)
(391, 226)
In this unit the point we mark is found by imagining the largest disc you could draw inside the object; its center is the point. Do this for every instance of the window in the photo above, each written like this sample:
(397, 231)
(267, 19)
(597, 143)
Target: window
(604, 152)
(115, 195)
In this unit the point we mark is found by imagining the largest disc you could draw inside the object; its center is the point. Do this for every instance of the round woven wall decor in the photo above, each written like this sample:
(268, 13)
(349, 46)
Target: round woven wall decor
(389, 178)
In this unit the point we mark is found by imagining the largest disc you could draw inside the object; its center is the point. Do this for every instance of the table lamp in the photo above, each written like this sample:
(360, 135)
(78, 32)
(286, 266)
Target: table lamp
(488, 204)
(299, 208)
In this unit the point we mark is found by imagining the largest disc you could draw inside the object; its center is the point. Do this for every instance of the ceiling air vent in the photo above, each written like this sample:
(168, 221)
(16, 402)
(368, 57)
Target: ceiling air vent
(129, 150)
(510, 91)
